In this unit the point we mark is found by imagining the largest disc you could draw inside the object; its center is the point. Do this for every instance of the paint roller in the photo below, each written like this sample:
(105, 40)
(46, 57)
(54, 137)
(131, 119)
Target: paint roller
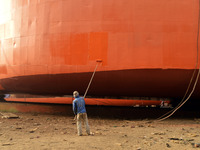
(98, 61)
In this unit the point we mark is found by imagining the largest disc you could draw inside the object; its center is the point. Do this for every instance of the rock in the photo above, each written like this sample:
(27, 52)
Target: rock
(160, 133)
(193, 135)
(9, 116)
(151, 126)
(63, 132)
(97, 132)
(6, 144)
(189, 140)
(119, 144)
(126, 142)
(175, 139)
(196, 144)
(36, 124)
(33, 130)
(168, 145)
(177, 142)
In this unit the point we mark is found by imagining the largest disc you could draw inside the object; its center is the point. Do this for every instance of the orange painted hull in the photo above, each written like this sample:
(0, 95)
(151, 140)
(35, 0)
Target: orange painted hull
(147, 48)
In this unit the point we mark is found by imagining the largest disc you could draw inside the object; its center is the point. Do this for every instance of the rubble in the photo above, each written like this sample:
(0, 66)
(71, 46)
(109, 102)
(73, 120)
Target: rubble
(9, 116)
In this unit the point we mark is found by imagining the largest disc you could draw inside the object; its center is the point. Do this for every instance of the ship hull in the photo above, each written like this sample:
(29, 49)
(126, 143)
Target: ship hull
(147, 48)
(117, 84)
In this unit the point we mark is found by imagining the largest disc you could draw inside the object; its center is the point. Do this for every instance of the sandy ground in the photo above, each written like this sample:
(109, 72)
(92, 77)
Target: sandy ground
(55, 132)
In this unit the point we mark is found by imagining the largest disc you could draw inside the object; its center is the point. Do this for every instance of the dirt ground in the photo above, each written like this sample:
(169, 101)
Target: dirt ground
(56, 132)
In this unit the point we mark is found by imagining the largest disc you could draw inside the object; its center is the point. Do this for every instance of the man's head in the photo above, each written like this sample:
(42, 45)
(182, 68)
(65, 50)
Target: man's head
(75, 94)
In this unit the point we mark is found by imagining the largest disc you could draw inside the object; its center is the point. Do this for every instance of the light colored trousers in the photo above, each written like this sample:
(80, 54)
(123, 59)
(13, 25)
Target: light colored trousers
(82, 117)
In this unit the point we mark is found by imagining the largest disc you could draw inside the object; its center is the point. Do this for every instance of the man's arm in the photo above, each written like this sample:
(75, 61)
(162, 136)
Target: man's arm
(74, 108)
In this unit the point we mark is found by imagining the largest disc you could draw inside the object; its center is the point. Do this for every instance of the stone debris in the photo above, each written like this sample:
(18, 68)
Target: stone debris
(33, 130)
(140, 125)
(190, 140)
(158, 133)
(36, 124)
(125, 135)
(9, 116)
(97, 132)
(196, 144)
(167, 144)
(7, 144)
(35, 137)
(193, 135)
(181, 141)
(119, 144)
(151, 126)
(176, 139)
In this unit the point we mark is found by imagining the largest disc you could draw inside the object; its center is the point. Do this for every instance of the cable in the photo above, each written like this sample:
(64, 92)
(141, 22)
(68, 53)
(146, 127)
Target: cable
(185, 100)
(194, 86)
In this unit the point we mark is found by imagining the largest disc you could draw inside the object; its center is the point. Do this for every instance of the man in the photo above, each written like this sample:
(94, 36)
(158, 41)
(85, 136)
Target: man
(80, 112)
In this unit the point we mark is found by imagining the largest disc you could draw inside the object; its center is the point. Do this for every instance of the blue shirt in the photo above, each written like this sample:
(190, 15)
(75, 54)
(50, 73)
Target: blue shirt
(79, 105)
